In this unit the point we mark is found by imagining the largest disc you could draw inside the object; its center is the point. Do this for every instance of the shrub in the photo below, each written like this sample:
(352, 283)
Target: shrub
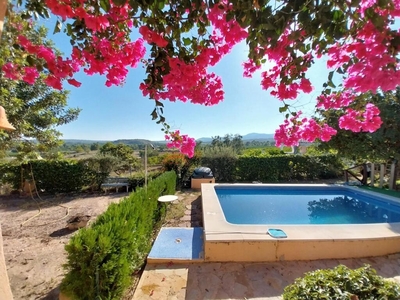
(277, 168)
(52, 176)
(342, 283)
(181, 164)
(173, 162)
(102, 258)
(137, 180)
(222, 162)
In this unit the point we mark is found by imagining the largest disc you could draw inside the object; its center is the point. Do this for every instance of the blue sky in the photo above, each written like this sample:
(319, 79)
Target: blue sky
(123, 113)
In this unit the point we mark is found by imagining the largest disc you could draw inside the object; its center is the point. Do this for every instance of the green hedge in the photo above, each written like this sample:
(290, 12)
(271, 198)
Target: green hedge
(286, 168)
(272, 168)
(102, 258)
(63, 176)
(137, 180)
(51, 176)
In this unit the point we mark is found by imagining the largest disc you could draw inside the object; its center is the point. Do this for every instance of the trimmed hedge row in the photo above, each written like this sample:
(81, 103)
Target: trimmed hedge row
(102, 258)
(273, 168)
(53, 176)
(287, 167)
(63, 176)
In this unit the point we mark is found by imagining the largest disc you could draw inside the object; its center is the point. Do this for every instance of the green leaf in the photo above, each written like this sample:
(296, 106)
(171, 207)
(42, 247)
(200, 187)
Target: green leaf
(186, 41)
(158, 103)
(105, 5)
(283, 108)
(25, 16)
(154, 114)
(337, 15)
(330, 76)
(57, 27)
(161, 5)
(119, 2)
(30, 60)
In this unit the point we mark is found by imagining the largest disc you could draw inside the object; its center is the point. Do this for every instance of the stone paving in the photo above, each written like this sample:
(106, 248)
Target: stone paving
(241, 280)
(193, 281)
(193, 213)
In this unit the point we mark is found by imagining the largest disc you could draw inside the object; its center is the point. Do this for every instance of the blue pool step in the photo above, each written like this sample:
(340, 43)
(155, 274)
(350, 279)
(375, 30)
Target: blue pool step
(177, 245)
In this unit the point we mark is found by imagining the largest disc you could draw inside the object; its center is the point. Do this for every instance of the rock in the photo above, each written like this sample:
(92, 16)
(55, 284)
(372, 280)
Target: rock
(77, 222)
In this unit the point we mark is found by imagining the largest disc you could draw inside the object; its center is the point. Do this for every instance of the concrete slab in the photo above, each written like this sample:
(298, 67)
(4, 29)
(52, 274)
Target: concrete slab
(178, 245)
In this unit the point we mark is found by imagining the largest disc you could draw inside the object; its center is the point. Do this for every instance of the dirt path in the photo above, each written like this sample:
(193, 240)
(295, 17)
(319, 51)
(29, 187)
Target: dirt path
(34, 243)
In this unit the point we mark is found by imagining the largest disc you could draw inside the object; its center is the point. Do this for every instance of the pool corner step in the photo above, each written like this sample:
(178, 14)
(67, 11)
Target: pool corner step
(178, 245)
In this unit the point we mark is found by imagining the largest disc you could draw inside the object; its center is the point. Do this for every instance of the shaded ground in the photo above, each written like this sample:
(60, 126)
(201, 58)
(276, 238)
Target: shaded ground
(35, 233)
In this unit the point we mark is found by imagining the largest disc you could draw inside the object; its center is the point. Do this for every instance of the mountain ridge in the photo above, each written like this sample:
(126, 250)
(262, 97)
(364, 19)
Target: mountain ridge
(247, 137)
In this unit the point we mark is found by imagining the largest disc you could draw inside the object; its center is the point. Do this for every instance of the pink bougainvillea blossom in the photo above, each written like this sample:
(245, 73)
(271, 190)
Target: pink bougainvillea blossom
(30, 75)
(335, 101)
(305, 85)
(368, 58)
(356, 121)
(188, 82)
(11, 71)
(53, 82)
(184, 143)
(74, 82)
(60, 8)
(294, 130)
(191, 81)
(151, 36)
(374, 68)
(249, 68)
(283, 65)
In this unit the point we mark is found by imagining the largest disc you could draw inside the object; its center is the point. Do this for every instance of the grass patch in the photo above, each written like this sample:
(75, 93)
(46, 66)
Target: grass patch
(381, 191)
(175, 211)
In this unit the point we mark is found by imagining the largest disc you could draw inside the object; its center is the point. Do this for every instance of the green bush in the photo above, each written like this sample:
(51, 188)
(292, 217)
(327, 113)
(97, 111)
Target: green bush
(102, 258)
(222, 162)
(266, 168)
(342, 283)
(52, 176)
(137, 180)
(62, 176)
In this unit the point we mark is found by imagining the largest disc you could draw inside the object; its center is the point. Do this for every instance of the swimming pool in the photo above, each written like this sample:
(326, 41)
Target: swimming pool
(328, 224)
(296, 205)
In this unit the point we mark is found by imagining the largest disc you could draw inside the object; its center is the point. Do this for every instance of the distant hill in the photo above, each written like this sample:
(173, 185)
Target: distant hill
(122, 141)
(246, 137)
(258, 136)
(82, 142)
(132, 142)
(204, 140)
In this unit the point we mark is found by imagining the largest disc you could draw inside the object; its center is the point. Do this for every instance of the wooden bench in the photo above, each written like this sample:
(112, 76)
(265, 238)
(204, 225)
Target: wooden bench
(115, 182)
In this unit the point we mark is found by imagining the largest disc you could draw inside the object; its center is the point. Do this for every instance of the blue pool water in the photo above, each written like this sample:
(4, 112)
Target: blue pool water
(283, 205)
